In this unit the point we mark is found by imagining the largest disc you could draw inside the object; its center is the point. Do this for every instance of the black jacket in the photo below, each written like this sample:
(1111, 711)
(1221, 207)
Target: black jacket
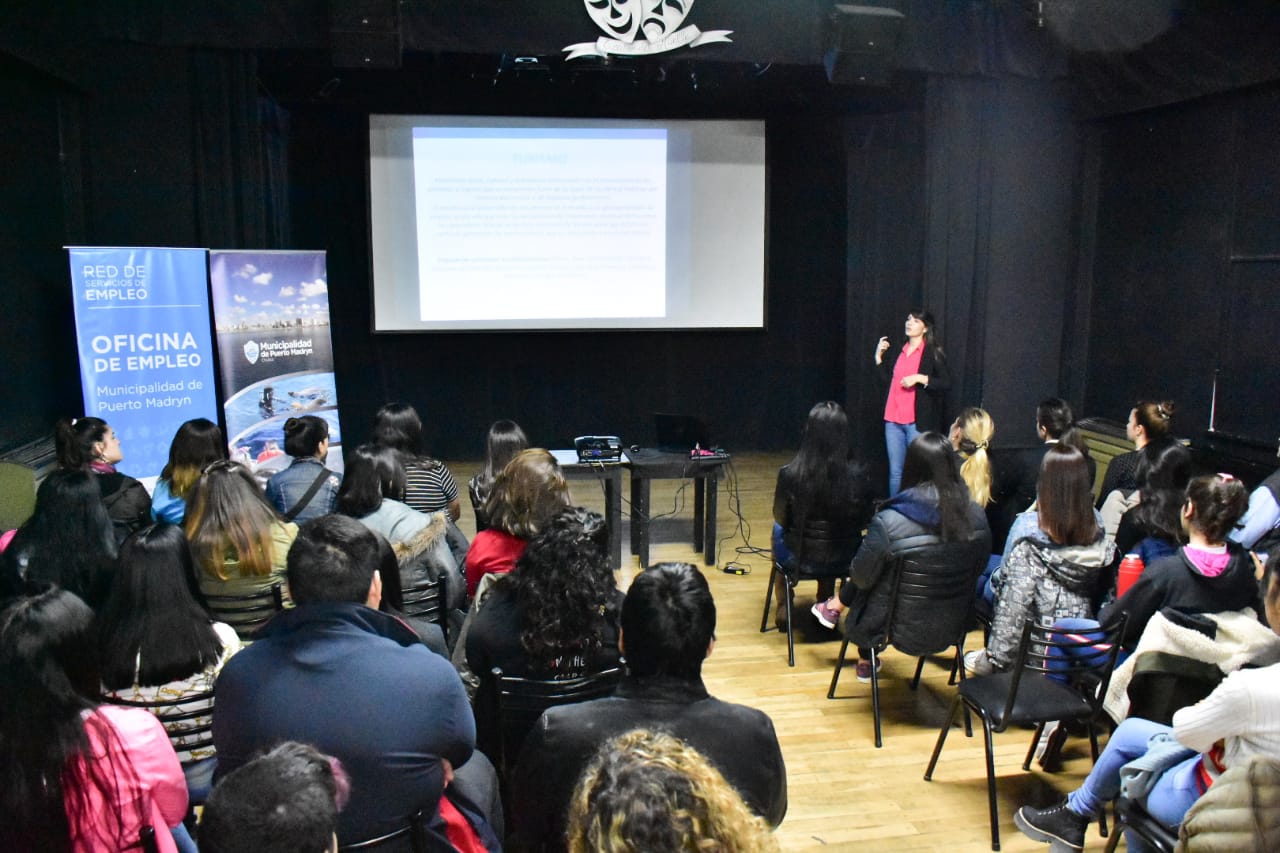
(738, 740)
(817, 533)
(1173, 582)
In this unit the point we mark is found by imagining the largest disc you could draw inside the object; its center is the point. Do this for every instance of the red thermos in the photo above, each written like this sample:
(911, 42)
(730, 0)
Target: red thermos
(1130, 570)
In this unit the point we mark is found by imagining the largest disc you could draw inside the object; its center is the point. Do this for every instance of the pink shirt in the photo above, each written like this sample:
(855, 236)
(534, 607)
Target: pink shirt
(154, 793)
(1210, 562)
(900, 407)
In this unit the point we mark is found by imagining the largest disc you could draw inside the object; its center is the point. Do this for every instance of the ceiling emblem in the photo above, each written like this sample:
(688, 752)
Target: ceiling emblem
(642, 28)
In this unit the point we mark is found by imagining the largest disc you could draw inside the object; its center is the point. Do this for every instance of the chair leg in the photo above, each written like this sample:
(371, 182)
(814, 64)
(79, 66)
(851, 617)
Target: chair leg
(1035, 741)
(1093, 748)
(768, 597)
(835, 676)
(991, 785)
(875, 694)
(915, 681)
(1115, 835)
(942, 737)
(791, 637)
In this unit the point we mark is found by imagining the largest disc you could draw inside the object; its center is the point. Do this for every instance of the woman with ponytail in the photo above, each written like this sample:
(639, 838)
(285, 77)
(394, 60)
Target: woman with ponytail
(971, 437)
(90, 444)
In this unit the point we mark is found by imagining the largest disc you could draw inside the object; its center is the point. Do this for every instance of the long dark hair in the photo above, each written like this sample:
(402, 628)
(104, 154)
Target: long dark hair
(821, 465)
(932, 461)
(1055, 417)
(1164, 469)
(389, 569)
(566, 585)
(68, 540)
(1065, 498)
(504, 440)
(373, 472)
(197, 443)
(930, 329)
(48, 680)
(74, 439)
(151, 629)
(397, 426)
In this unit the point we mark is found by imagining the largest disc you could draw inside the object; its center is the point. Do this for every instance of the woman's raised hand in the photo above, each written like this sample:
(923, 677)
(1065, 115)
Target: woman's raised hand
(880, 349)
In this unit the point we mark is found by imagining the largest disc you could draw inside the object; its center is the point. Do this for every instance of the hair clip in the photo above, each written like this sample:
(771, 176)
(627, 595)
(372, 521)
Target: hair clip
(1225, 477)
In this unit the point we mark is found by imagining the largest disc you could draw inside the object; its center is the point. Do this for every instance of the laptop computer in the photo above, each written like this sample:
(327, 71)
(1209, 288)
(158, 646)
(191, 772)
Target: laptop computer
(679, 433)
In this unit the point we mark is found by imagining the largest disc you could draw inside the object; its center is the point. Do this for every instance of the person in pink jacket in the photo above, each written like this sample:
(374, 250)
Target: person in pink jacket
(75, 774)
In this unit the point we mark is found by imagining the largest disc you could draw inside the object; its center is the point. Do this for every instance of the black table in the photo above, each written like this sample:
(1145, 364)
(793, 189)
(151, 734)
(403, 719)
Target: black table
(649, 465)
(610, 476)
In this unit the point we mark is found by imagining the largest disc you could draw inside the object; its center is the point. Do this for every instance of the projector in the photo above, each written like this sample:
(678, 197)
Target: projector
(598, 448)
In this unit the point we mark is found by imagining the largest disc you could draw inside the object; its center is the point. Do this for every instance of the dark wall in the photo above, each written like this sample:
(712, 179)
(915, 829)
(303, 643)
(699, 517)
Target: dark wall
(753, 387)
(1186, 270)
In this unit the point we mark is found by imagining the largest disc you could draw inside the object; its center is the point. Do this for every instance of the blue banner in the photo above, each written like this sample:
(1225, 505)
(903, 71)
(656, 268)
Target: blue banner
(271, 314)
(146, 358)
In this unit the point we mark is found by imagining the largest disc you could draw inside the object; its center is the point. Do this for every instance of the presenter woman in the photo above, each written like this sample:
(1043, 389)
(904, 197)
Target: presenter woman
(917, 381)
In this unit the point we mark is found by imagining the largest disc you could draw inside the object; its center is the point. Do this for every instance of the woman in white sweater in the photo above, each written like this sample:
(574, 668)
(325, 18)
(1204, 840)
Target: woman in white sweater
(1238, 720)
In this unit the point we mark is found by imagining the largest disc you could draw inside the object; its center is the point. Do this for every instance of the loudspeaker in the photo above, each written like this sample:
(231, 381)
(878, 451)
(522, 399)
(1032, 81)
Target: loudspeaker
(862, 42)
(365, 33)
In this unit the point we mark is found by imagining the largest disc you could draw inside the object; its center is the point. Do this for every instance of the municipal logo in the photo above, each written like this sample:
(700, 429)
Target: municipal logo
(251, 351)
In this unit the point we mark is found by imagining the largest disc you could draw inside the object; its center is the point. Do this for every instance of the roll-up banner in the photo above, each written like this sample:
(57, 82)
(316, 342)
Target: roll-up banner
(271, 316)
(146, 359)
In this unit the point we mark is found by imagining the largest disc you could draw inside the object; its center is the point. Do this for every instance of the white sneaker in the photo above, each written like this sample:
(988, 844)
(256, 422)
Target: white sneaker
(977, 662)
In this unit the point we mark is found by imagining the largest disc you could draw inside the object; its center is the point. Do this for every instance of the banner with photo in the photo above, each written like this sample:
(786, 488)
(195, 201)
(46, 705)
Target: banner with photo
(271, 317)
(146, 357)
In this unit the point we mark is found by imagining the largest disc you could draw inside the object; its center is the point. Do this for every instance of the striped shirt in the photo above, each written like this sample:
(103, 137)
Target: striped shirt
(429, 487)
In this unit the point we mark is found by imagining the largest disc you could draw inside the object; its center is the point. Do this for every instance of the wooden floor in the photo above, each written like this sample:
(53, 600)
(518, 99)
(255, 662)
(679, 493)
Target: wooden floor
(844, 793)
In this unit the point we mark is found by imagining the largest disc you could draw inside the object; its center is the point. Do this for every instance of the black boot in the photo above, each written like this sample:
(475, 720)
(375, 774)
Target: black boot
(1058, 825)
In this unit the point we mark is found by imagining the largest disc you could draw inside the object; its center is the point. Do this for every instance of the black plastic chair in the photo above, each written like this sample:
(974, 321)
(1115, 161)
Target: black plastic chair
(832, 543)
(425, 600)
(1027, 694)
(1133, 817)
(248, 612)
(181, 718)
(415, 829)
(930, 607)
(521, 701)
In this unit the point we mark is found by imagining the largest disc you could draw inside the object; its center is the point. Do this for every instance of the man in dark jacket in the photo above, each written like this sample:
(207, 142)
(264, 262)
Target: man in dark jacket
(668, 629)
(358, 685)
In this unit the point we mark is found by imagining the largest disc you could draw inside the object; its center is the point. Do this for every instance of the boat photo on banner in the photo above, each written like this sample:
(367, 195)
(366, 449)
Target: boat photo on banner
(271, 319)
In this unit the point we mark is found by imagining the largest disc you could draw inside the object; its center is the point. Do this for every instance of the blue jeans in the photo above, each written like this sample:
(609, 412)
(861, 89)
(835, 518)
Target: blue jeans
(897, 437)
(1174, 792)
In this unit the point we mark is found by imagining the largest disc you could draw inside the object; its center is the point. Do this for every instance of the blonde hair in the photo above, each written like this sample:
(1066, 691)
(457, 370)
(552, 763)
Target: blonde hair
(649, 792)
(976, 431)
(229, 520)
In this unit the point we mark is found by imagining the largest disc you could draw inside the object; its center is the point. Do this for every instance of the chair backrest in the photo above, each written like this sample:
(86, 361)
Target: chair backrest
(187, 720)
(521, 701)
(17, 495)
(1083, 659)
(824, 541)
(933, 595)
(414, 829)
(248, 612)
(425, 600)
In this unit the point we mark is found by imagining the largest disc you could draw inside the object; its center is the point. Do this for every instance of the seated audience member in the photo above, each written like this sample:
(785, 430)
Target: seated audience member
(971, 436)
(1236, 722)
(371, 492)
(68, 541)
(1207, 575)
(932, 508)
(157, 643)
(306, 489)
(286, 801)
(393, 599)
(76, 774)
(196, 444)
(1148, 423)
(1015, 470)
(504, 440)
(1259, 528)
(238, 540)
(668, 629)
(1048, 581)
(650, 791)
(429, 486)
(1153, 528)
(356, 684)
(822, 490)
(554, 617)
(528, 492)
(90, 444)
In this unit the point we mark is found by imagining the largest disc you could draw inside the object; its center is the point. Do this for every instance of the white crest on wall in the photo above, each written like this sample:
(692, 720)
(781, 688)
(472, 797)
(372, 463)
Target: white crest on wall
(251, 351)
(642, 28)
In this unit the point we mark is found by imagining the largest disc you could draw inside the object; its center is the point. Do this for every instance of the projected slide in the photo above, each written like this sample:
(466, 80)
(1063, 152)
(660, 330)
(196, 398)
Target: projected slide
(516, 223)
(496, 223)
